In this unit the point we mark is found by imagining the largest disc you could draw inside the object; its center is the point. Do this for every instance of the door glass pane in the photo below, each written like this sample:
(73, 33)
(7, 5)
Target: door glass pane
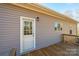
(30, 28)
(26, 32)
(26, 22)
(27, 28)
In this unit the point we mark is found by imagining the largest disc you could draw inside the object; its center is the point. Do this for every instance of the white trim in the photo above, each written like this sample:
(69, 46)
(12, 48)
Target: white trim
(34, 33)
(21, 32)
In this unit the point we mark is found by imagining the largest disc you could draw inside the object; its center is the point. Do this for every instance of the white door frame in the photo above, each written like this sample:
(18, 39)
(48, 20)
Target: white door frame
(21, 32)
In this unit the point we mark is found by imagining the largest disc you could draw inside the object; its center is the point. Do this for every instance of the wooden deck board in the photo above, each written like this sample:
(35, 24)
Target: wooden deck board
(60, 49)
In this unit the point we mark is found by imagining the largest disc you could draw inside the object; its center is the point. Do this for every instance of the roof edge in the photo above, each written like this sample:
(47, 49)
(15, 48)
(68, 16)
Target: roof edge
(55, 11)
(42, 9)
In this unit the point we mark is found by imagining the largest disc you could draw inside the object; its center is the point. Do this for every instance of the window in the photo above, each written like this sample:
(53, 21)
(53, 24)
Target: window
(57, 26)
(61, 29)
(70, 31)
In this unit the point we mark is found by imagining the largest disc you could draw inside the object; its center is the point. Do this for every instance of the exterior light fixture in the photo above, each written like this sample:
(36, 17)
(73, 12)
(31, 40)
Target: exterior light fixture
(37, 18)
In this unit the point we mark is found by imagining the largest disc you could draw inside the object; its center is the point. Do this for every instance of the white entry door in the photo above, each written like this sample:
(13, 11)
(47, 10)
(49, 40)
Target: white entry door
(27, 34)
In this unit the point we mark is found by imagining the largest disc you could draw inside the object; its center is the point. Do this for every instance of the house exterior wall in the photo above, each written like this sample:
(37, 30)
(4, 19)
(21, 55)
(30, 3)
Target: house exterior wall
(45, 33)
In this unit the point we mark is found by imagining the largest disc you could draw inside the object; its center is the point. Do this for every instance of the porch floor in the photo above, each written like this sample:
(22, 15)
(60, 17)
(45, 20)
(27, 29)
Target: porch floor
(60, 49)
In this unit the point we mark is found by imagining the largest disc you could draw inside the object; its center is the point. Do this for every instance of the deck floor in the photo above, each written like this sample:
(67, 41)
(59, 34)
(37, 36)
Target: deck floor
(60, 49)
